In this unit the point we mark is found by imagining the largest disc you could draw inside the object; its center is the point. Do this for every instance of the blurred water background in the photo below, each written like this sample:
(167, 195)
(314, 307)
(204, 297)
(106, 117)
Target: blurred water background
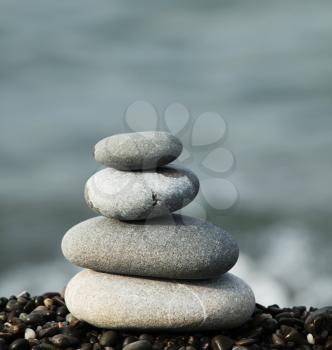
(68, 71)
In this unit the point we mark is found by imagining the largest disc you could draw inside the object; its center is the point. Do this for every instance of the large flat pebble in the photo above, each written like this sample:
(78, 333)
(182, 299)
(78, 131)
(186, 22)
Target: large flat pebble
(139, 195)
(122, 302)
(138, 150)
(176, 246)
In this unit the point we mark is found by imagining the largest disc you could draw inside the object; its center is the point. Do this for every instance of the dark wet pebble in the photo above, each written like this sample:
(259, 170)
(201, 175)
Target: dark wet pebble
(29, 306)
(270, 324)
(290, 334)
(270, 327)
(12, 305)
(86, 346)
(62, 311)
(139, 345)
(146, 336)
(64, 341)
(19, 344)
(35, 318)
(39, 300)
(49, 331)
(109, 338)
(58, 300)
(245, 342)
(319, 320)
(3, 302)
(129, 340)
(221, 342)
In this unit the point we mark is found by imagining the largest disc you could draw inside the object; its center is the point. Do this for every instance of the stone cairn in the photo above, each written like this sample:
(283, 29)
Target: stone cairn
(146, 268)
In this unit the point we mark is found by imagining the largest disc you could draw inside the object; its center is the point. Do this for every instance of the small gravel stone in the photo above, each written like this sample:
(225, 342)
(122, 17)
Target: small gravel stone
(35, 318)
(147, 337)
(19, 344)
(128, 340)
(222, 342)
(29, 334)
(64, 341)
(310, 338)
(246, 342)
(138, 345)
(48, 302)
(109, 338)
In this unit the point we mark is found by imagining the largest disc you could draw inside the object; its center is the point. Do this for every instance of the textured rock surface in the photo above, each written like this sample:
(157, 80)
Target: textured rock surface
(139, 150)
(139, 195)
(169, 247)
(121, 302)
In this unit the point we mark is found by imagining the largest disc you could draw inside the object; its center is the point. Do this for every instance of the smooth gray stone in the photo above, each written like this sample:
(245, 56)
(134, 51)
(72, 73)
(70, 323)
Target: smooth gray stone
(123, 302)
(139, 195)
(138, 150)
(177, 246)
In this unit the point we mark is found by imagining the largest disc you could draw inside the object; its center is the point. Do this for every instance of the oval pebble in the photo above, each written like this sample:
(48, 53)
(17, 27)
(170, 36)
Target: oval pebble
(29, 334)
(109, 338)
(176, 246)
(138, 150)
(140, 195)
(123, 302)
(138, 345)
(19, 344)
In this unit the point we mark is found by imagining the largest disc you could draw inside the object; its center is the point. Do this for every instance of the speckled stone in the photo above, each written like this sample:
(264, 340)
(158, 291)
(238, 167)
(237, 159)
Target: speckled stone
(123, 302)
(177, 246)
(139, 195)
(138, 150)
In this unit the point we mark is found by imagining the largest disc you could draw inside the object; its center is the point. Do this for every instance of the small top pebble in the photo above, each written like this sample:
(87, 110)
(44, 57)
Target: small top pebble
(138, 150)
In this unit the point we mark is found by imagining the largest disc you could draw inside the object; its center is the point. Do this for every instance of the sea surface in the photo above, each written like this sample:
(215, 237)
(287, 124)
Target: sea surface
(68, 72)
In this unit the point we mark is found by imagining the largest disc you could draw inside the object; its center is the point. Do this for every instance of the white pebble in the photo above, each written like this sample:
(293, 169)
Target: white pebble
(29, 334)
(311, 339)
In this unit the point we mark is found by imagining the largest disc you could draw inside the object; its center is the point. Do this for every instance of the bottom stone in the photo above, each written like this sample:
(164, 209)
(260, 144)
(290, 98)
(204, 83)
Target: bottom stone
(122, 302)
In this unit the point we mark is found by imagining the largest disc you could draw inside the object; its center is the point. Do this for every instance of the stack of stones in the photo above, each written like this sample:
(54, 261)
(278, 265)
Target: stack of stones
(146, 268)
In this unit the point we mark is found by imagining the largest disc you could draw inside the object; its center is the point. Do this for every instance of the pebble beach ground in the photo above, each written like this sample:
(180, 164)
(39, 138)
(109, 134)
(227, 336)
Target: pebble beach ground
(44, 323)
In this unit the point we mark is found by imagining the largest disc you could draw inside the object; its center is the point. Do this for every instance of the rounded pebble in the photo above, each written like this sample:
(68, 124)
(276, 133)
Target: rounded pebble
(138, 151)
(19, 344)
(176, 246)
(221, 342)
(108, 338)
(311, 339)
(138, 345)
(135, 303)
(140, 195)
(64, 341)
(29, 334)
